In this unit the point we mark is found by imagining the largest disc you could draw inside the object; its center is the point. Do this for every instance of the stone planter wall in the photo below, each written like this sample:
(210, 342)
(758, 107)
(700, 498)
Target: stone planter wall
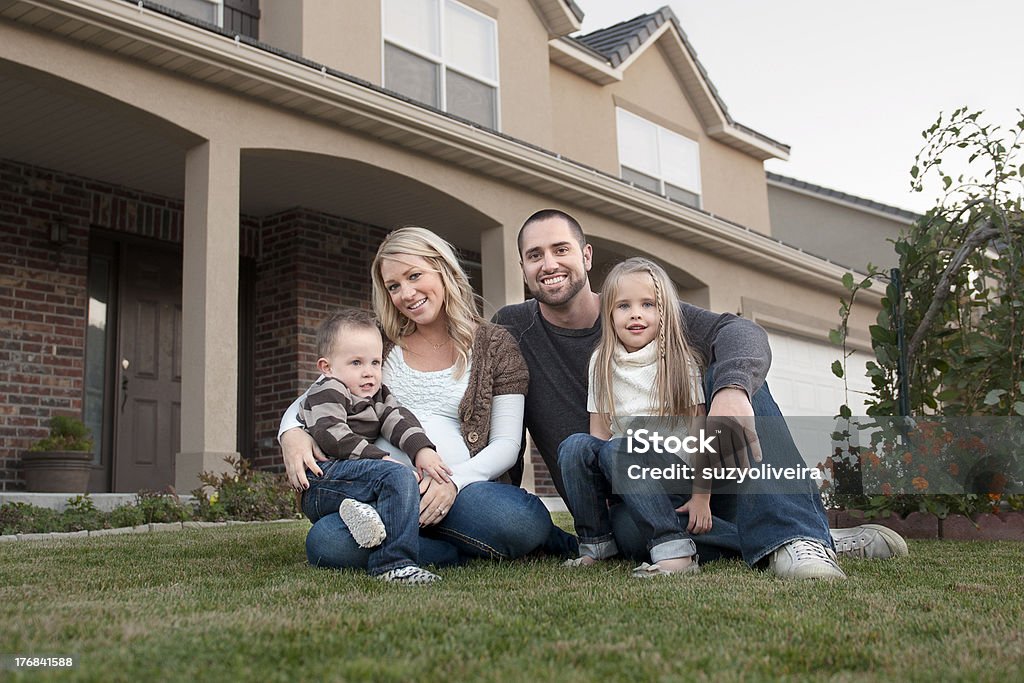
(1005, 526)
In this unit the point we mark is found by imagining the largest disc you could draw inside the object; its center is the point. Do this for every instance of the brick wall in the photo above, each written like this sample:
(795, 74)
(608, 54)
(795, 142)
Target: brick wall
(311, 265)
(42, 305)
(308, 264)
(43, 295)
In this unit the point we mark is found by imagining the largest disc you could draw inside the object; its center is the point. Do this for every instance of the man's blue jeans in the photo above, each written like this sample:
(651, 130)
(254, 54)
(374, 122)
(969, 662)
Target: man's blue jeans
(765, 519)
(487, 520)
(589, 465)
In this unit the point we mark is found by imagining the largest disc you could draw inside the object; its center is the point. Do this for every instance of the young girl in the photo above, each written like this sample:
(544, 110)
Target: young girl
(643, 366)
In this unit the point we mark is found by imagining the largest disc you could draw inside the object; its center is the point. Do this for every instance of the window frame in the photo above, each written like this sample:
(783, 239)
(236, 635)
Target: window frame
(660, 132)
(218, 12)
(440, 61)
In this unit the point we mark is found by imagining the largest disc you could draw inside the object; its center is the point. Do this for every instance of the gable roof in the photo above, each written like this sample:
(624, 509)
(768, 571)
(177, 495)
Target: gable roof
(828, 194)
(561, 17)
(603, 55)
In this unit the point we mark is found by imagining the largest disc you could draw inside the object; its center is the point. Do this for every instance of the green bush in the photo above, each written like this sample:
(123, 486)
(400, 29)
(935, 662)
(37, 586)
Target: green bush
(160, 507)
(66, 434)
(22, 518)
(81, 514)
(129, 514)
(245, 494)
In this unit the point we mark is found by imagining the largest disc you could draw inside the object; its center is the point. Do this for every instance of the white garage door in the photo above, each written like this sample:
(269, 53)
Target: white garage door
(801, 376)
(803, 385)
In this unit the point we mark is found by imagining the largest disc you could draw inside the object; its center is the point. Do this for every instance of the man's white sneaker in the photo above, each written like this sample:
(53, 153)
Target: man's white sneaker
(869, 541)
(410, 576)
(803, 559)
(363, 523)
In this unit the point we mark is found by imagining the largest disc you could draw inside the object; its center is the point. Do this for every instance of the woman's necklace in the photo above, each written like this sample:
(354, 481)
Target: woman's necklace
(435, 347)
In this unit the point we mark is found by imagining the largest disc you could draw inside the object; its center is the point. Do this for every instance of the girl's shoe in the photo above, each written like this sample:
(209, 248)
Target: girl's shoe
(363, 523)
(647, 571)
(581, 561)
(410, 576)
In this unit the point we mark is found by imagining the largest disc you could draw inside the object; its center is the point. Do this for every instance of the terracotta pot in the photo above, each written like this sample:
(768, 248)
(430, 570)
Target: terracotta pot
(56, 471)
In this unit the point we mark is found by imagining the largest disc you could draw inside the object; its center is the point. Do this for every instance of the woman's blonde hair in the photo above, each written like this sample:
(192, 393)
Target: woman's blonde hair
(674, 392)
(459, 299)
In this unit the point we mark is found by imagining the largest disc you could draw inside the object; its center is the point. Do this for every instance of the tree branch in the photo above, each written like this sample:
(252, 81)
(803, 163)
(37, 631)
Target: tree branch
(981, 235)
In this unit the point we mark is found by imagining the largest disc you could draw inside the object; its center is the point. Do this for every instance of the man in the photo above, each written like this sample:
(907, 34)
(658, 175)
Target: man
(559, 328)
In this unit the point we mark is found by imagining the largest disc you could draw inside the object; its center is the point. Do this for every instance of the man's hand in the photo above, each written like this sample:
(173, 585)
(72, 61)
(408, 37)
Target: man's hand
(731, 417)
(435, 501)
(300, 453)
(430, 464)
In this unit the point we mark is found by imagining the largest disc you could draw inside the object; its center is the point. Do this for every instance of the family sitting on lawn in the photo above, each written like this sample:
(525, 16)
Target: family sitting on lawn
(470, 385)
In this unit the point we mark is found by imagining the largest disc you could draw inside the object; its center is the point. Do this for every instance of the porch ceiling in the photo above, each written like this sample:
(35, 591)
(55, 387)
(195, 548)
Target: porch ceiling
(58, 126)
(274, 181)
(68, 129)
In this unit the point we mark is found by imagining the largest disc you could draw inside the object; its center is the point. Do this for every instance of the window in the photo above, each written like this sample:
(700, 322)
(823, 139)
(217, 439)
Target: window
(444, 54)
(210, 11)
(657, 159)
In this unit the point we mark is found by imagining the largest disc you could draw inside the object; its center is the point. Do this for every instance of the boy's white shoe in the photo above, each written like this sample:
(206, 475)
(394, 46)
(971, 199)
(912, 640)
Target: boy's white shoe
(410, 576)
(363, 523)
(804, 559)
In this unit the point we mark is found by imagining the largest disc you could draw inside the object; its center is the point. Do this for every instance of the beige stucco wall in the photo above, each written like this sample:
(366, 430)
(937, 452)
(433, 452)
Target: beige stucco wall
(244, 123)
(842, 234)
(732, 183)
(347, 35)
(342, 34)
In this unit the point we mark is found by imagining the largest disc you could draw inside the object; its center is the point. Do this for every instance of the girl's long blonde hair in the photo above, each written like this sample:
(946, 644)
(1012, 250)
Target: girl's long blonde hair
(676, 359)
(459, 299)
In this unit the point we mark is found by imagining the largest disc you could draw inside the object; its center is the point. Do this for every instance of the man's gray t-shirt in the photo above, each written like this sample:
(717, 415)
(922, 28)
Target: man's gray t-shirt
(556, 405)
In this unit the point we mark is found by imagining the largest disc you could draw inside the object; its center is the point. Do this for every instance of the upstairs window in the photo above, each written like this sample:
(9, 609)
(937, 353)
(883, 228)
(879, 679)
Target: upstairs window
(657, 159)
(444, 54)
(210, 11)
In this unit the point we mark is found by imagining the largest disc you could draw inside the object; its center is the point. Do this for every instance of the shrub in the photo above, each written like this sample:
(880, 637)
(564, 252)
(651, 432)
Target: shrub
(245, 494)
(81, 514)
(126, 515)
(22, 518)
(161, 506)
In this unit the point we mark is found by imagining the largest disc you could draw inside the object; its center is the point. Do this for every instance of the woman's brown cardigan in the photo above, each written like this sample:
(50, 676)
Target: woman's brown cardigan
(497, 368)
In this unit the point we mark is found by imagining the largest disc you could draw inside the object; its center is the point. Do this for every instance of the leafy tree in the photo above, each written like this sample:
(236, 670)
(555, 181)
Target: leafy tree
(955, 314)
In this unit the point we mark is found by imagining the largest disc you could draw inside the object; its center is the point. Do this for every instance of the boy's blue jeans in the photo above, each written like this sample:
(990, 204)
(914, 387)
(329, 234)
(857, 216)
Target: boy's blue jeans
(390, 487)
(487, 520)
(588, 466)
(765, 518)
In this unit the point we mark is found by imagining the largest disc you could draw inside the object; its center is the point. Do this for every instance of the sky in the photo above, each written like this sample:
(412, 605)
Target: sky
(850, 86)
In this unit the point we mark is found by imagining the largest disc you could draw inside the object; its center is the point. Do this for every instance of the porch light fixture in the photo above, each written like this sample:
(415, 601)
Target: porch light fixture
(58, 234)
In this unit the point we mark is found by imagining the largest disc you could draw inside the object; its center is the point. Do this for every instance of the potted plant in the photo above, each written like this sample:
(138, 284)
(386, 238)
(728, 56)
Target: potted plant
(62, 462)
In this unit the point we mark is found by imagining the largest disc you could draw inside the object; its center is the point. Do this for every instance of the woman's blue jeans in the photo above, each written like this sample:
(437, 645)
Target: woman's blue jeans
(765, 517)
(487, 520)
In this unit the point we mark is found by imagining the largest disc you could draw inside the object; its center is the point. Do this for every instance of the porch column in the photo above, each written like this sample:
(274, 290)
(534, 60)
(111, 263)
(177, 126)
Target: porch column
(499, 261)
(209, 377)
(503, 284)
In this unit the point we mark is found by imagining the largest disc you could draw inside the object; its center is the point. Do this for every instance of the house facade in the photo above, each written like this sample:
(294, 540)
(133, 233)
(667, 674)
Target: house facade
(187, 189)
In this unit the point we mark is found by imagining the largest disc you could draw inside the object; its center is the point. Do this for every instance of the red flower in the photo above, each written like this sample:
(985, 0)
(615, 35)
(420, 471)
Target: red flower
(954, 469)
(920, 483)
(887, 489)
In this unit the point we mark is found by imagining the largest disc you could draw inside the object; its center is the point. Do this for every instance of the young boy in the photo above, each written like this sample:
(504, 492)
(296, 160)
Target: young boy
(345, 411)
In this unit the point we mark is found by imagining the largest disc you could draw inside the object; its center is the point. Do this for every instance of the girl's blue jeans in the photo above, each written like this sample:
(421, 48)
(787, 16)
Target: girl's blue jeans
(766, 516)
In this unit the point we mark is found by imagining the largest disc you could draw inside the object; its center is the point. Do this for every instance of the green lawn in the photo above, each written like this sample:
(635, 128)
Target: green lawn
(239, 603)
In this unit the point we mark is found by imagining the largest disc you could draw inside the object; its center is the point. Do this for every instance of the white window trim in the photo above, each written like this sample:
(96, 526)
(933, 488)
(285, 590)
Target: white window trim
(660, 131)
(218, 12)
(440, 61)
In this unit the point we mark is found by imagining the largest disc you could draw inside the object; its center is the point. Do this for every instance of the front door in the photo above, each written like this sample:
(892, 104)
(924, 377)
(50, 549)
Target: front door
(148, 399)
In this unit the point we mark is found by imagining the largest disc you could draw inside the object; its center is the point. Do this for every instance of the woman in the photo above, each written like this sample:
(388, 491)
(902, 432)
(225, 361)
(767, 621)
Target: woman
(466, 381)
